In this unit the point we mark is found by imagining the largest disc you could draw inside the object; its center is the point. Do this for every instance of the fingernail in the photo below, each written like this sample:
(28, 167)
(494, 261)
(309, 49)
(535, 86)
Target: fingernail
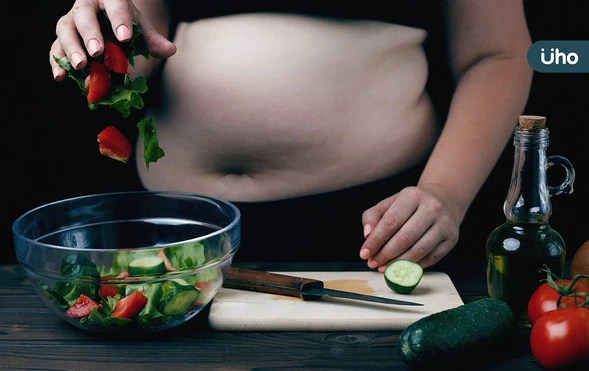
(76, 59)
(93, 47)
(367, 230)
(372, 264)
(123, 33)
(55, 73)
(364, 254)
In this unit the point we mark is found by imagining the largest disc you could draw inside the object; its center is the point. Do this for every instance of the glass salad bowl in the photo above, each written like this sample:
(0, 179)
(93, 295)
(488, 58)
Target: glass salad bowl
(128, 262)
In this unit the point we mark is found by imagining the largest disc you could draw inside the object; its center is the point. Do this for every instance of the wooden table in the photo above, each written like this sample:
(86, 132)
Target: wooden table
(34, 338)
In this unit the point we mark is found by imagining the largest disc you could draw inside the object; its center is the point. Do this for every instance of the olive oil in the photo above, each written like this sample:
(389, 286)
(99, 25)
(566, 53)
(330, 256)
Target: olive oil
(516, 253)
(518, 249)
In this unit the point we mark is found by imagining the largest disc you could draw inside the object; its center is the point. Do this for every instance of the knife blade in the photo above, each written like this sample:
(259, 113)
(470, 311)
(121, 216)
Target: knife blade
(299, 287)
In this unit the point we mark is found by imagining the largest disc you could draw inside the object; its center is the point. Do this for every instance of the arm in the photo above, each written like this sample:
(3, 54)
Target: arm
(81, 21)
(488, 47)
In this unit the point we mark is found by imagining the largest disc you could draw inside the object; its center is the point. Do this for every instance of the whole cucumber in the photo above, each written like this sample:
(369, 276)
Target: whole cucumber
(470, 332)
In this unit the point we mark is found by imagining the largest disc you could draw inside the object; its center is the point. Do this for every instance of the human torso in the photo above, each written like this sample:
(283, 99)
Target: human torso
(268, 106)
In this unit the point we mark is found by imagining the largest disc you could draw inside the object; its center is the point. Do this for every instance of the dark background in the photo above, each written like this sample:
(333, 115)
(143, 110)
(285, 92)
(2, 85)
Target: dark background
(49, 152)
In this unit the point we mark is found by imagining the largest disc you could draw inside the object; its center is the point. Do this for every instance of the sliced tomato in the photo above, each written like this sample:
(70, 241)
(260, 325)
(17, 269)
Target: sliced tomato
(130, 306)
(82, 307)
(112, 143)
(123, 274)
(115, 58)
(98, 83)
(203, 286)
(108, 290)
(167, 262)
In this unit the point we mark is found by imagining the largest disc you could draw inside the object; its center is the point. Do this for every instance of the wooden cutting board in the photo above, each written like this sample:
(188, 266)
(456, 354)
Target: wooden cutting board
(238, 310)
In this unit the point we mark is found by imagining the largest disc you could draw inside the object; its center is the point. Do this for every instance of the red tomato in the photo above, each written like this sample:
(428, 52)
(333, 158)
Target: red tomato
(561, 337)
(98, 83)
(130, 306)
(108, 290)
(115, 58)
(203, 286)
(123, 274)
(544, 299)
(113, 144)
(167, 262)
(82, 307)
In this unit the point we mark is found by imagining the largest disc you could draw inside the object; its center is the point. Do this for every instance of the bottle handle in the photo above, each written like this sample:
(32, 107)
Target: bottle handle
(565, 187)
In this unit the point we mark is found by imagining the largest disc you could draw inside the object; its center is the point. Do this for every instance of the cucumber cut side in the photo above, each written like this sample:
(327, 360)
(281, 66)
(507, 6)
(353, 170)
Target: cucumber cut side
(178, 299)
(403, 276)
(147, 265)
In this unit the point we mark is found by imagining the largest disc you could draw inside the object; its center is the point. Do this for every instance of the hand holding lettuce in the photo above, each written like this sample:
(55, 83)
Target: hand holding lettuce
(106, 82)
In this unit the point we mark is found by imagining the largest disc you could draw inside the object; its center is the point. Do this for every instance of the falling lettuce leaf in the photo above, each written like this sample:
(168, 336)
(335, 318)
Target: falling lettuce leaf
(151, 148)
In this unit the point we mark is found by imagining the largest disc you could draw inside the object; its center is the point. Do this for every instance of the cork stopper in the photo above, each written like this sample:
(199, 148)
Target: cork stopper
(532, 122)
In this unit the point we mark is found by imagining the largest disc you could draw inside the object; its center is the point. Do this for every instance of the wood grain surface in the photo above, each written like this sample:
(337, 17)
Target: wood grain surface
(33, 338)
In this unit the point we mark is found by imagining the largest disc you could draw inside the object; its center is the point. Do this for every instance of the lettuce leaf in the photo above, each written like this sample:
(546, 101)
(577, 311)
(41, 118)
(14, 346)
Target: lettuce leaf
(151, 148)
(126, 96)
(186, 255)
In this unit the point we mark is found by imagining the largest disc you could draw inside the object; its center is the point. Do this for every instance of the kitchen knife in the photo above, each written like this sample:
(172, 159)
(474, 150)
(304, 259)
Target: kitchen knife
(299, 287)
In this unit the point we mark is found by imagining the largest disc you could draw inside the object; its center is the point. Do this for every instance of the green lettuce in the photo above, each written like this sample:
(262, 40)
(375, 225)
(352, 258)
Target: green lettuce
(126, 96)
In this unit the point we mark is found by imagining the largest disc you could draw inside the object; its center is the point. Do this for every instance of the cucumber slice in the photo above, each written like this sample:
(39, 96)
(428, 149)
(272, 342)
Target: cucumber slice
(147, 265)
(178, 298)
(403, 276)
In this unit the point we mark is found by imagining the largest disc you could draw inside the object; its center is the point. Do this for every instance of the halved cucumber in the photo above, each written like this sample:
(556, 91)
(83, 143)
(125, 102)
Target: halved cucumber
(177, 298)
(147, 265)
(403, 276)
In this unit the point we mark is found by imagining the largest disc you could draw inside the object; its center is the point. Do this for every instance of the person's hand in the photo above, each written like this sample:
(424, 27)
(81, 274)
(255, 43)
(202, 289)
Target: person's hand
(414, 224)
(78, 31)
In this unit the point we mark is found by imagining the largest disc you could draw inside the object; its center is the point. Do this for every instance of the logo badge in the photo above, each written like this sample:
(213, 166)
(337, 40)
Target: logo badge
(559, 56)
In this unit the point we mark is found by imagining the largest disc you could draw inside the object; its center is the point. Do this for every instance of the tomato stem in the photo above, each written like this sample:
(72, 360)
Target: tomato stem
(566, 290)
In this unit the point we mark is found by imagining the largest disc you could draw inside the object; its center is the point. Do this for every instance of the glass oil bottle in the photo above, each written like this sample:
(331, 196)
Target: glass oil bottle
(519, 248)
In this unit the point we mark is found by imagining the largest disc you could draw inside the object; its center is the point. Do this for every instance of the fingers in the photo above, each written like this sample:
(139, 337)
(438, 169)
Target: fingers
(437, 254)
(120, 14)
(421, 254)
(57, 51)
(384, 220)
(76, 31)
(415, 225)
(157, 44)
(412, 239)
(408, 243)
(79, 34)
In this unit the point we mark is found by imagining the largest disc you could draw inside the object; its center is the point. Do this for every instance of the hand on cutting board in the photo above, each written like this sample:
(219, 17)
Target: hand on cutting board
(416, 224)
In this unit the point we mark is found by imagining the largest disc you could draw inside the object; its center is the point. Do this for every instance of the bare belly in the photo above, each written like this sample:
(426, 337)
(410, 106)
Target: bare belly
(262, 107)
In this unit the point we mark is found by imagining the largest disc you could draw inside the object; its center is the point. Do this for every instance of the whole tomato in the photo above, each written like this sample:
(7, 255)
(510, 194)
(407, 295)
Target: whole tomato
(545, 297)
(560, 338)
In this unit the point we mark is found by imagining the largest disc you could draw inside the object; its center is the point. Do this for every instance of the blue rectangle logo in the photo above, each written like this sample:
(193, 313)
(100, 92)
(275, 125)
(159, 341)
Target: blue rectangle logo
(559, 56)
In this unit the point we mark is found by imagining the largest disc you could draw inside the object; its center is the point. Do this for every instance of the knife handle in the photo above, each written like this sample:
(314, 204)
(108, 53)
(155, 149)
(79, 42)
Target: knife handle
(279, 284)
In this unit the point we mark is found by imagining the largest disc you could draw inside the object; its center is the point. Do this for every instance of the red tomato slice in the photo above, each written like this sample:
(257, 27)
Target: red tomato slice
(108, 290)
(130, 306)
(98, 82)
(203, 286)
(82, 307)
(167, 262)
(115, 58)
(113, 144)
(544, 299)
